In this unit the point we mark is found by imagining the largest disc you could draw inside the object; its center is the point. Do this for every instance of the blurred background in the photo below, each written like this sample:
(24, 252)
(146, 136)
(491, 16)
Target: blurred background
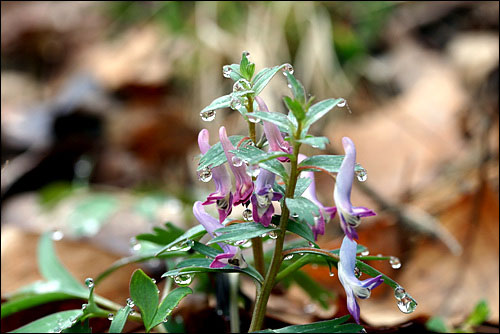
(100, 115)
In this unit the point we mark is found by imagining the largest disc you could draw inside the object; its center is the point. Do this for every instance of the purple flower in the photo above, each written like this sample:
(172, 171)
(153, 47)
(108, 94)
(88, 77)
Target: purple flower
(222, 195)
(263, 208)
(326, 213)
(273, 134)
(350, 216)
(244, 184)
(232, 254)
(352, 286)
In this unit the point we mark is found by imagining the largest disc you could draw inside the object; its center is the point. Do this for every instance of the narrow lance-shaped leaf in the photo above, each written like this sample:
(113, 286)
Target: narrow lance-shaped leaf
(330, 163)
(53, 323)
(169, 303)
(241, 231)
(327, 326)
(120, 319)
(265, 75)
(318, 110)
(218, 103)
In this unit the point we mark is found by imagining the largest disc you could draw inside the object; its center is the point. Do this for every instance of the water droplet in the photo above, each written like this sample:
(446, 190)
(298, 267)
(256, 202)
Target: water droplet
(84, 306)
(331, 274)
(130, 302)
(137, 247)
(57, 235)
(240, 242)
(361, 175)
(263, 235)
(342, 103)
(407, 304)
(247, 54)
(253, 119)
(205, 175)
(399, 293)
(253, 170)
(111, 316)
(301, 254)
(357, 272)
(288, 257)
(237, 162)
(241, 85)
(226, 71)
(379, 255)
(235, 103)
(295, 215)
(181, 247)
(183, 279)
(166, 319)
(309, 308)
(153, 280)
(89, 282)
(287, 68)
(208, 115)
(247, 244)
(365, 253)
(395, 262)
(289, 86)
(247, 214)
(363, 330)
(273, 235)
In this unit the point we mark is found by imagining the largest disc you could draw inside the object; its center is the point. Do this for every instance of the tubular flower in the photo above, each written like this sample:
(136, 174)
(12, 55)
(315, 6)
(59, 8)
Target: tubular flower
(222, 195)
(263, 208)
(350, 216)
(326, 213)
(244, 184)
(232, 254)
(352, 286)
(273, 134)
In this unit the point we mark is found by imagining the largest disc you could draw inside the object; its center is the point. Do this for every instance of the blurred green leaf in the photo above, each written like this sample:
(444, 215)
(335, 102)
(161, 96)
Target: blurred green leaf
(436, 324)
(53, 323)
(316, 142)
(479, 315)
(90, 213)
(312, 288)
(52, 194)
(162, 236)
(327, 326)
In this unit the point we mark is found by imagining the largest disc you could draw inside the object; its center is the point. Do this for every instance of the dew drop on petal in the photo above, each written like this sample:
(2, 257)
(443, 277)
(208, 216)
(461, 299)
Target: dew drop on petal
(273, 235)
(253, 119)
(235, 103)
(395, 262)
(357, 272)
(407, 304)
(331, 274)
(89, 282)
(342, 103)
(183, 279)
(399, 293)
(361, 175)
(111, 316)
(247, 244)
(237, 162)
(247, 214)
(240, 242)
(205, 175)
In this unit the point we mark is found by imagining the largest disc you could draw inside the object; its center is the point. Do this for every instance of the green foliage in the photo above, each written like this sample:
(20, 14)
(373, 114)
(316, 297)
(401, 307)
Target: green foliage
(328, 326)
(53, 323)
(241, 231)
(120, 319)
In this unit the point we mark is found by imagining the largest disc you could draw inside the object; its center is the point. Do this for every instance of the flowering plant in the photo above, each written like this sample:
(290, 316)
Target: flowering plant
(275, 185)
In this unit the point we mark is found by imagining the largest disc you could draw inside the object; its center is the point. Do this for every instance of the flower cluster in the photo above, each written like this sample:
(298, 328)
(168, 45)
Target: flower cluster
(350, 217)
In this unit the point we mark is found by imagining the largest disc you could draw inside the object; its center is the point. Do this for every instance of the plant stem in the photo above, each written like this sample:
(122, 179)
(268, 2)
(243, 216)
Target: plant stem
(293, 267)
(234, 315)
(263, 297)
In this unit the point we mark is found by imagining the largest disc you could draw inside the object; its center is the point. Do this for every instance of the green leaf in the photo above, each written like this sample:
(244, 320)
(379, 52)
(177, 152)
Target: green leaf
(215, 156)
(374, 272)
(298, 90)
(120, 319)
(80, 327)
(205, 250)
(169, 303)
(262, 78)
(479, 315)
(302, 184)
(436, 324)
(316, 142)
(144, 293)
(52, 323)
(162, 236)
(235, 72)
(23, 302)
(193, 233)
(91, 213)
(241, 231)
(312, 288)
(327, 326)
(51, 268)
(276, 118)
(330, 163)
(246, 68)
(197, 265)
(318, 110)
(301, 229)
(295, 107)
(274, 166)
(253, 155)
(304, 208)
(218, 103)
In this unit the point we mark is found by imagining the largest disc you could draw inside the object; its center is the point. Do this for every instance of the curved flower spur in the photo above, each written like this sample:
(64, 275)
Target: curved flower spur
(232, 254)
(350, 216)
(222, 195)
(263, 208)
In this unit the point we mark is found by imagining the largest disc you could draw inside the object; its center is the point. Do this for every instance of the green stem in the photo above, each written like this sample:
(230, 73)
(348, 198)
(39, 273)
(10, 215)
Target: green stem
(263, 297)
(293, 267)
(234, 315)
